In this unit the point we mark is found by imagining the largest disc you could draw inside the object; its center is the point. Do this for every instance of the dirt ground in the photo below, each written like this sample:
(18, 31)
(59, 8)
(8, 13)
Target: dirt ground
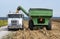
(40, 33)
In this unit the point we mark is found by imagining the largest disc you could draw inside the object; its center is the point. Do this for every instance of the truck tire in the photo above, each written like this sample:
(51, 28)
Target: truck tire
(49, 26)
(22, 27)
(9, 29)
(30, 24)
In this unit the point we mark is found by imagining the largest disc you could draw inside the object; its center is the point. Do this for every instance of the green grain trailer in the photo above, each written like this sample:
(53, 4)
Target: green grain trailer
(40, 17)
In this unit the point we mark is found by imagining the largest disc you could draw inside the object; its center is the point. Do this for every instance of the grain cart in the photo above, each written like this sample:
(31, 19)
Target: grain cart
(40, 17)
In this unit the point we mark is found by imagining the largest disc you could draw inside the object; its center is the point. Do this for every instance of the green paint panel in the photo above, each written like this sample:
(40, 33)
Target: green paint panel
(37, 13)
(40, 12)
(35, 21)
(21, 8)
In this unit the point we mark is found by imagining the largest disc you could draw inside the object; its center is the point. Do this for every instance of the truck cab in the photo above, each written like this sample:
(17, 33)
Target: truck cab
(15, 21)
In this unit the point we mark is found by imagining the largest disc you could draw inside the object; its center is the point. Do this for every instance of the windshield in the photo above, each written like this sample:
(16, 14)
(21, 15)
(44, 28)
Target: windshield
(14, 15)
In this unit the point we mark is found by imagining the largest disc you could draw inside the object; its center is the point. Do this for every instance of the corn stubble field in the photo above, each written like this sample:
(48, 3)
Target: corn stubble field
(37, 34)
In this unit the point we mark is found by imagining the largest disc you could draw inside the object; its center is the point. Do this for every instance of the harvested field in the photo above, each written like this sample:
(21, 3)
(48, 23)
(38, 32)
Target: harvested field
(38, 34)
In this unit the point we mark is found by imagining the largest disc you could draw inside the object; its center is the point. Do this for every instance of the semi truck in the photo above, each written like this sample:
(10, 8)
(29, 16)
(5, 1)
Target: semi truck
(15, 21)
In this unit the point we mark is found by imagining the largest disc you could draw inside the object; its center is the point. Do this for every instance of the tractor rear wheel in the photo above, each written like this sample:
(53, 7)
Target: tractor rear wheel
(48, 27)
(31, 25)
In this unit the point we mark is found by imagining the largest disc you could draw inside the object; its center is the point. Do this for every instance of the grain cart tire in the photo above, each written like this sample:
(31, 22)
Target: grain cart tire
(49, 26)
(41, 27)
(30, 24)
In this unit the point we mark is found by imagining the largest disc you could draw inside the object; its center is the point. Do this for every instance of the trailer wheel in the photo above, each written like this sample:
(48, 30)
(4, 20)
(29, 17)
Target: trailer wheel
(30, 24)
(49, 26)
(41, 27)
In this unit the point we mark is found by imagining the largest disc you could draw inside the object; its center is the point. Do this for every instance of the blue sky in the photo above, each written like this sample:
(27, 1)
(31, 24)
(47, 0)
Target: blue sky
(6, 5)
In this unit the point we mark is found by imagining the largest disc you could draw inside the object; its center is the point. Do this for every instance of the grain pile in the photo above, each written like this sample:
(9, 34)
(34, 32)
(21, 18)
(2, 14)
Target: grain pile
(38, 34)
